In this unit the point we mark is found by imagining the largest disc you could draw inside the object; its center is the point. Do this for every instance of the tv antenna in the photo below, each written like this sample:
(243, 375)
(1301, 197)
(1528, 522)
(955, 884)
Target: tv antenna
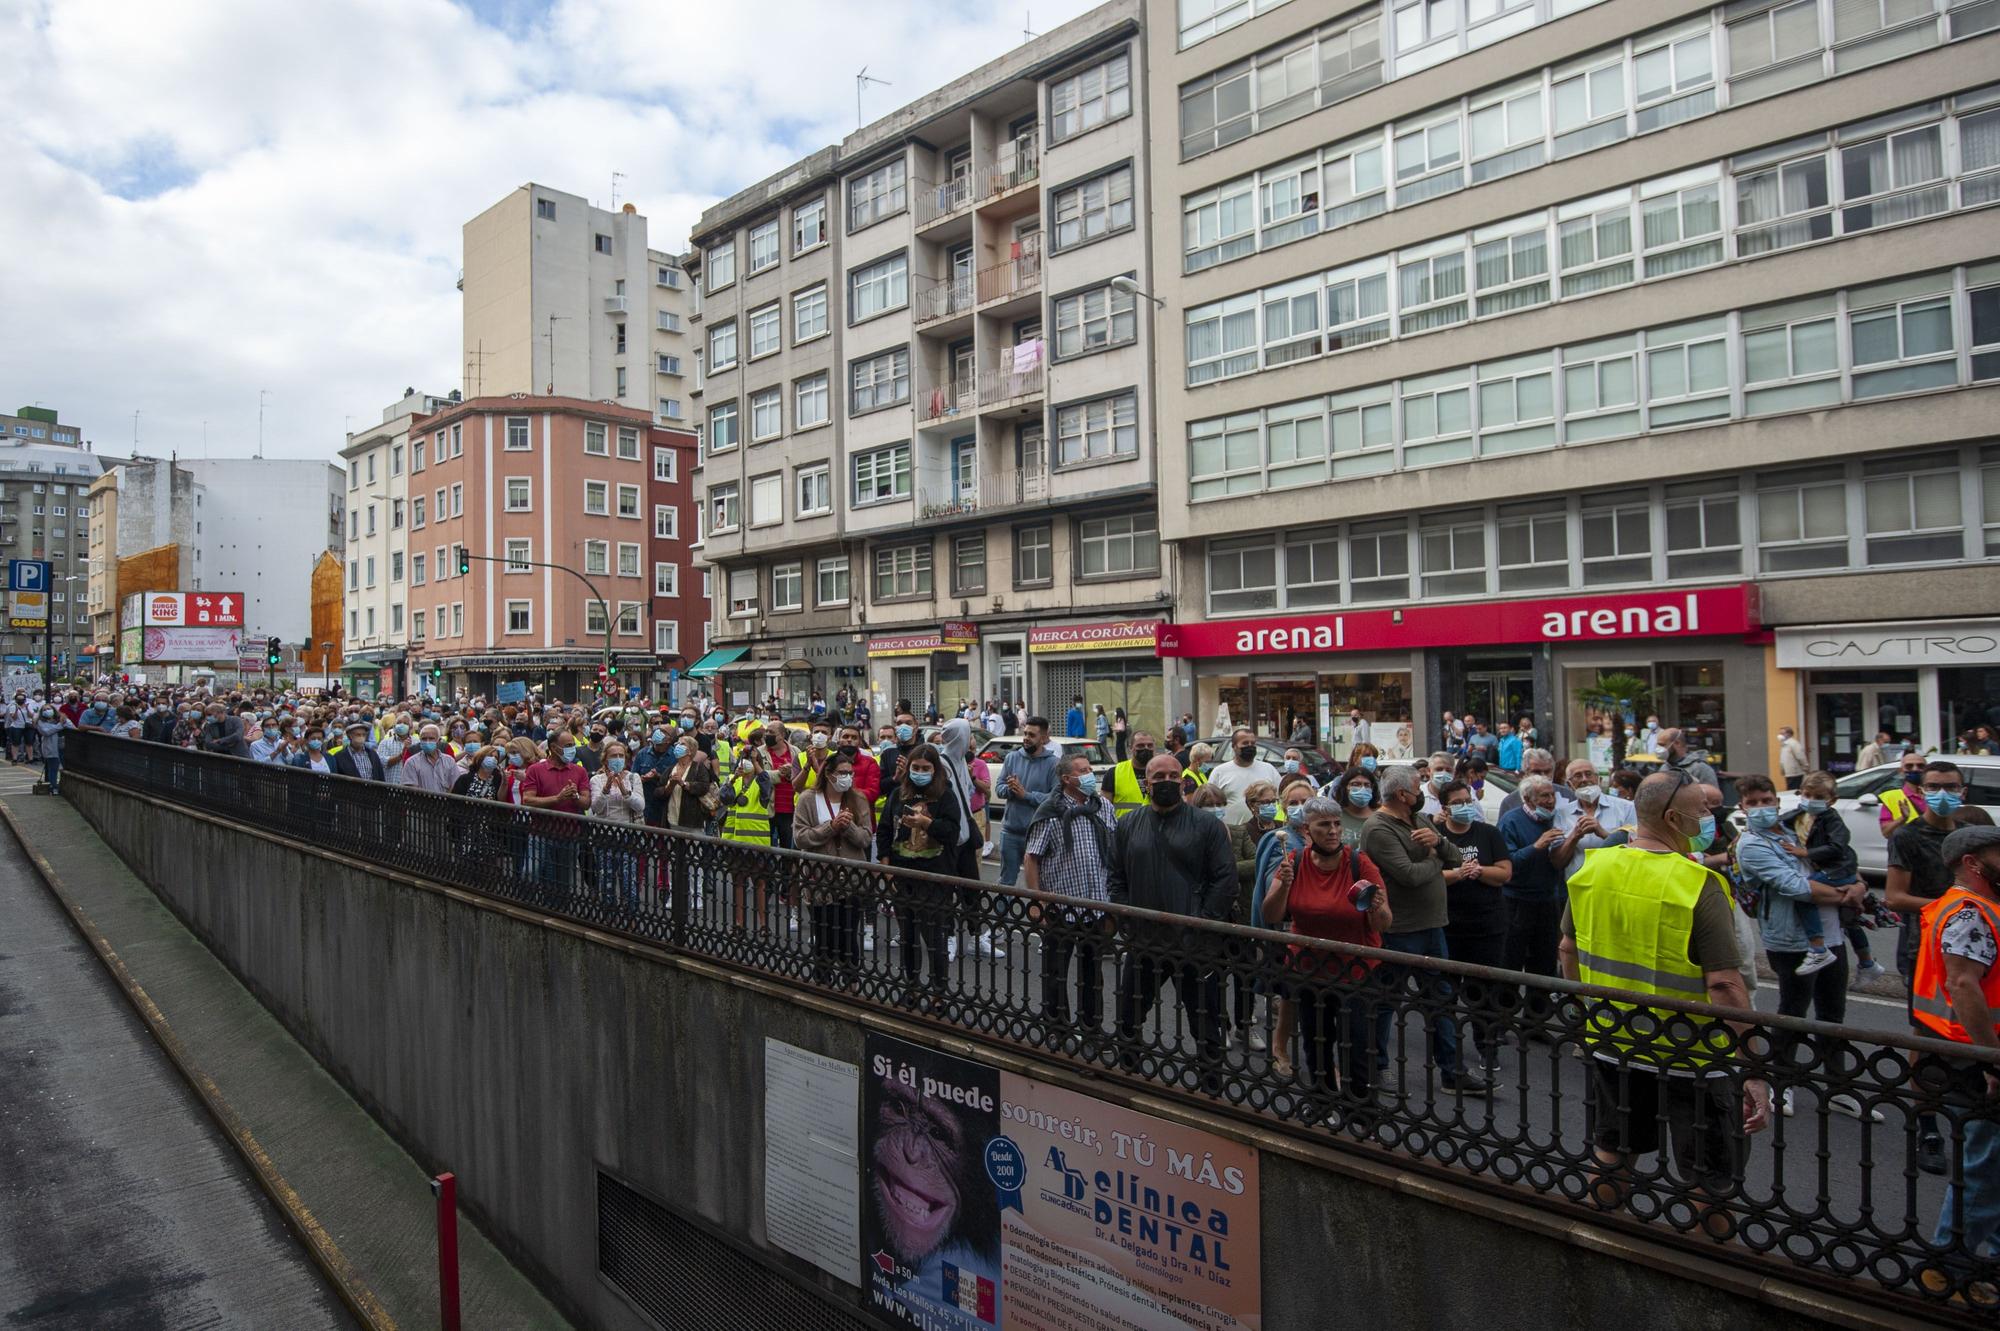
(616, 176)
(262, 393)
(1028, 33)
(862, 80)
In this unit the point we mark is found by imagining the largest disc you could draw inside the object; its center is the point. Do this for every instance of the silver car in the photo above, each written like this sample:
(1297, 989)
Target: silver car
(1858, 799)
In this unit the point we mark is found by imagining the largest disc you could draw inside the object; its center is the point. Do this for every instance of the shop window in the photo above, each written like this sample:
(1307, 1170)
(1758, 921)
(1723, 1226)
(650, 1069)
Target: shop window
(1454, 553)
(1242, 575)
(1801, 522)
(1912, 509)
(1617, 539)
(1704, 529)
(1532, 546)
(1378, 561)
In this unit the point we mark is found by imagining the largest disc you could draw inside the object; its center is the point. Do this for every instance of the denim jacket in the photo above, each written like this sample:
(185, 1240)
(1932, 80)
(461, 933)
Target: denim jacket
(1781, 882)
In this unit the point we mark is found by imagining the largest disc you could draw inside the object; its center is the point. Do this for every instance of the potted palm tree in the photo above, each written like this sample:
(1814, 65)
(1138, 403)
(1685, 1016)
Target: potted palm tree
(1620, 695)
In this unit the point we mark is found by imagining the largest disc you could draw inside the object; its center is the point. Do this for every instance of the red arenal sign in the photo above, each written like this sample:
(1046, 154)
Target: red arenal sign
(1702, 612)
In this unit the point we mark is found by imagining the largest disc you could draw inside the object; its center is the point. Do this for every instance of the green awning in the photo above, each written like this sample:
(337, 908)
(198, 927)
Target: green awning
(715, 661)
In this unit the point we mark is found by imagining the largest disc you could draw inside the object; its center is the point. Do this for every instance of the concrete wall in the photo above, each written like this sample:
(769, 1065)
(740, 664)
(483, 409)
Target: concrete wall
(523, 1056)
(261, 526)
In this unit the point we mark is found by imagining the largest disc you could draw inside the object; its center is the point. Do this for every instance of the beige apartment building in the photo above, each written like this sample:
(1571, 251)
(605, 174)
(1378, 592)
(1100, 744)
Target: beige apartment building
(562, 297)
(926, 397)
(1507, 342)
(375, 572)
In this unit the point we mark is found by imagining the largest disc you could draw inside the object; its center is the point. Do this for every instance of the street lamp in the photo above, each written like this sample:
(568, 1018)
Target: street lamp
(1126, 286)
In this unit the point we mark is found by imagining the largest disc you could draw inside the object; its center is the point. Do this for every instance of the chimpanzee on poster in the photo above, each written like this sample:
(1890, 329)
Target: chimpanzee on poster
(931, 1221)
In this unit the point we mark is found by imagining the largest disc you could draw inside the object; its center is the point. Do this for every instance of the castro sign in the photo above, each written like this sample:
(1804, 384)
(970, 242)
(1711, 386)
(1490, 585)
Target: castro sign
(1938, 642)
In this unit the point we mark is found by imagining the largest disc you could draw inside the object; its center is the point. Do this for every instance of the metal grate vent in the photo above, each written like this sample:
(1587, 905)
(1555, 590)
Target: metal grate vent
(680, 1274)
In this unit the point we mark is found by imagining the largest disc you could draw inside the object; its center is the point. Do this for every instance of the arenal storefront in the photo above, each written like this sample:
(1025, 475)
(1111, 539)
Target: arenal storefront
(1702, 652)
(1923, 682)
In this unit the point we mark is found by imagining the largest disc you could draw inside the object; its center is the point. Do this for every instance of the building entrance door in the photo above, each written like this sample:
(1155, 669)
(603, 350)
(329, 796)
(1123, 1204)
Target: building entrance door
(1496, 695)
(1845, 717)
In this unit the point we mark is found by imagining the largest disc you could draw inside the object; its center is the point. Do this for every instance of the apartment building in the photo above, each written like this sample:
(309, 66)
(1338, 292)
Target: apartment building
(564, 298)
(926, 401)
(142, 523)
(375, 583)
(549, 496)
(679, 608)
(260, 526)
(1509, 342)
(46, 466)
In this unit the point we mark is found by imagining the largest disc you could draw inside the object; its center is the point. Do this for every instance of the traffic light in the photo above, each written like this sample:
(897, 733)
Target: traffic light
(271, 653)
(613, 668)
(464, 562)
(437, 671)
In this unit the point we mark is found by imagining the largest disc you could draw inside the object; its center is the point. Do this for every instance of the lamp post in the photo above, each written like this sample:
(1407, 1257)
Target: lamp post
(465, 556)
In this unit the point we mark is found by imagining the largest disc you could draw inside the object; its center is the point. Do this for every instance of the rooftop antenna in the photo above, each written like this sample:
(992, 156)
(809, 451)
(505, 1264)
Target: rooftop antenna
(1028, 33)
(861, 80)
(262, 393)
(135, 434)
(204, 438)
(616, 176)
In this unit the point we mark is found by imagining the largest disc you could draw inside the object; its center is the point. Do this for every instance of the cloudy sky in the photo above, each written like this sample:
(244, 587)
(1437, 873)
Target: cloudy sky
(207, 200)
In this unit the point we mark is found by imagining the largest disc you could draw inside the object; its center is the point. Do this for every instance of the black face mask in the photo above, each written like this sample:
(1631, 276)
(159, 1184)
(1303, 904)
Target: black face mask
(849, 750)
(1140, 757)
(1246, 752)
(1167, 793)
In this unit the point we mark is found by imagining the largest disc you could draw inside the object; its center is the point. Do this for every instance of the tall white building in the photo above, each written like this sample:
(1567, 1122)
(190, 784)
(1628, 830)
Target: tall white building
(260, 524)
(374, 618)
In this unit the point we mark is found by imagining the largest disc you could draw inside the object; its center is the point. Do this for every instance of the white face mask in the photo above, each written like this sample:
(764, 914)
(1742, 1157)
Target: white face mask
(843, 784)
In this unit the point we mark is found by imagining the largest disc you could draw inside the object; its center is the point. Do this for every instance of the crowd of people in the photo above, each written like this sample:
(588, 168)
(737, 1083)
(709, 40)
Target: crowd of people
(1628, 881)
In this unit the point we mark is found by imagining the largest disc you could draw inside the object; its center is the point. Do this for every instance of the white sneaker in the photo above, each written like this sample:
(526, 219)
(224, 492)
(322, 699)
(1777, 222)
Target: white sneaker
(951, 948)
(1258, 1042)
(1785, 1102)
(1868, 970)
(1842, 1103)
(867, 938)
(989, 947)
(1818, 959)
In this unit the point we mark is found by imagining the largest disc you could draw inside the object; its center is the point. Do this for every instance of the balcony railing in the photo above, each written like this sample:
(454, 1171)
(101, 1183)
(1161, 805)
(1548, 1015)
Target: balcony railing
(941, 198)
(1016, 275)
(1010, 490)
(1010, 380)
(941, 299)
(952, 398)
(1020, 162)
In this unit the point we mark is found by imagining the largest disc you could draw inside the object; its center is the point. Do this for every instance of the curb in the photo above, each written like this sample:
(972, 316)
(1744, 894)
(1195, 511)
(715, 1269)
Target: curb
(347, 1283)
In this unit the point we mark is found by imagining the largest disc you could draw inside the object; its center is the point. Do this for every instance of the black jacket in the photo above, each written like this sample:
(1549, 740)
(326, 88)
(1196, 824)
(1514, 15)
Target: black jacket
(1179, 862)
(1829, 846)
(370, 766)
(892, 838)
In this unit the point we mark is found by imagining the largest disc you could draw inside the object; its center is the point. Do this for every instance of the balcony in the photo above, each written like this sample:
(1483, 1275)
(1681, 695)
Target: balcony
(1020, 162)
(939, 199)
(956, 397)
(616, 304)
(1015, 276)
(1013, 381)
(942, 299)
(1005, 493)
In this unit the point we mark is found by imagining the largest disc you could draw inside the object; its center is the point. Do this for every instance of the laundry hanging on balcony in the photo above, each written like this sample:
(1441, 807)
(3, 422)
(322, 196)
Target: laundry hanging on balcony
(1027, 355)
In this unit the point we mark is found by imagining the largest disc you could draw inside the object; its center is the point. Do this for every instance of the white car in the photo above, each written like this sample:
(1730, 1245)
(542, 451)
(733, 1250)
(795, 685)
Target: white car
(1858, 797)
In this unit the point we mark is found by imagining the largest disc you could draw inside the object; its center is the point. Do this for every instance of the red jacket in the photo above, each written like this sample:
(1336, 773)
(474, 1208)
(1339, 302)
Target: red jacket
(867, 776)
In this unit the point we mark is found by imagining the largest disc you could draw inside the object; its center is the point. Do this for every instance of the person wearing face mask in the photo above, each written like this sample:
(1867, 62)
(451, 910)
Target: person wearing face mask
(1355, 794)
(1432, 778)
(312, 755)
(651, 763)
(1243, 770)
(1294, 793)
(1672, 746)
(1647, 919)
(849, 743)
(615, 793)
(270, 745)
(1905, 802)
(1414, 858)
(20, 726)
(1818, 826)
(1069, 852)
(485, 774)
(1539, 853)
(1169, 857)
(1028, 778)
(1956, 997)
(1245, 838)
(431, 767)
(835, 818)
(1128, 777)
(689, 786)
(1476, 928)
(357, 758)
(919, 829)
(50, 728)
(902, 744)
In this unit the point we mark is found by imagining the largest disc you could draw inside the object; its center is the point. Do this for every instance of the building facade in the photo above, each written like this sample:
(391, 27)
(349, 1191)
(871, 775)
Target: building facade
(374, 615)
(565, 298)
(1503, 345)
(928, 409)
(523, 484)
(143, 518)
(679, 606)
(46, 468)
(260, 526)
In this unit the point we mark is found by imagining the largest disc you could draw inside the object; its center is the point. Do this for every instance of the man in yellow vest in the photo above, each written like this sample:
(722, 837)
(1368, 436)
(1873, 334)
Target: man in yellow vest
(1955, 995)
(746, 820)
(1647, 919)
(1128, 778)
(1904, 803)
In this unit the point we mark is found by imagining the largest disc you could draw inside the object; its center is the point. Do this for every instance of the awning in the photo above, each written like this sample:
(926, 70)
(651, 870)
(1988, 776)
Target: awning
(715, 661)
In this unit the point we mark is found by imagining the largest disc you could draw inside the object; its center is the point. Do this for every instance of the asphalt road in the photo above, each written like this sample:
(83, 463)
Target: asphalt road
(122, 1208)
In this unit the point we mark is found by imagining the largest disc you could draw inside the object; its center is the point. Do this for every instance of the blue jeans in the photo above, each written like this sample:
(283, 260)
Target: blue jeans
(1013, 849)
(1434, 988)
(1979, 1194)
(52, 770)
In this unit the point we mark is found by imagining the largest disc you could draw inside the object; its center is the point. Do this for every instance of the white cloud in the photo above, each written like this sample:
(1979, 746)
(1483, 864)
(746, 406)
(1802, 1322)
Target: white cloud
(208, 200)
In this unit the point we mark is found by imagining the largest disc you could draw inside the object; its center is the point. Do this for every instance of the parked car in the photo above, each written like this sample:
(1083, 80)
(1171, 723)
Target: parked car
(995, 748)
(1319, 767)
(1858, 798)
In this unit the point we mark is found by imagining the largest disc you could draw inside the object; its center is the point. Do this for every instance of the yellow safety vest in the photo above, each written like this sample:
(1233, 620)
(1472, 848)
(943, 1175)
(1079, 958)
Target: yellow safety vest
(1900, 806)
(1127, 793)
(749, 819)
(1633, 911)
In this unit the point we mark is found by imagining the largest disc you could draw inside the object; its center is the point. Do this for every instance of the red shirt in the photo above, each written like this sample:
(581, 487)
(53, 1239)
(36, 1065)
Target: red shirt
(1320, 907)
(781, 791)
(545, 778)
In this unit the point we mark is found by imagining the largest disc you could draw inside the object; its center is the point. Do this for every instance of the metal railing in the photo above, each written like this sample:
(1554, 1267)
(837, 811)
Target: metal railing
(1019, 162)
(941, 198)
(1827, 1199)
(1015, 275)
(944, 297)
(954, 397)
(1003, 382)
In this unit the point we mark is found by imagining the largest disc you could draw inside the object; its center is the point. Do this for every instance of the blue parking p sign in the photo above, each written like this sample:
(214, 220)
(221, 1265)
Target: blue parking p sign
(27, 575)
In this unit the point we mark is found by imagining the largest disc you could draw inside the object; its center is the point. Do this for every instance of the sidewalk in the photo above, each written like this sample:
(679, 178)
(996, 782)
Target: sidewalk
(362, 1203)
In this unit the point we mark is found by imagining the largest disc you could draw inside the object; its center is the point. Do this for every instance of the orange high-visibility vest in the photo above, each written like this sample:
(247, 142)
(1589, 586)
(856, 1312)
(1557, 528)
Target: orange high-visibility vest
(1928, 1000)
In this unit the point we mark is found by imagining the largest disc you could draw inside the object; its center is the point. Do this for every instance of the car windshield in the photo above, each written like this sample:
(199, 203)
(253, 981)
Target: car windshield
(1871, 782)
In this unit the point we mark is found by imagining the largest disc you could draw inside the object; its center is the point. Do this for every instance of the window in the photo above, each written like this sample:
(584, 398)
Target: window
(1095, 320)
(1438, 406)
(395, 514)
(720, 265)
(1287, 84)
(457, 499)
(519, 550)
(1431, 289)
(1680, 225)
(788, 587)
(1105, 428)
(396, 460)
(670, 322)
(809, 402)
(1453, 546)
(1517, 406)
(1504, 134)
(458, 619)
(354, 575)
(519, 494)
(765, 336)
(1034, 555)
(417, 626)
(1780, 34)
(666, 638)
(1219, 225)
(1222, 339)
(666, 579)
(1594, 246)
(1096, 208)
(417, 447)
(722, 347)
(395, 567)
(1912, 507)
(593, 619)
(666, 522)
(666, 467)
(520, 616)
(628, 501)
(1531, 546)
(903, 570)
(1674, 81)
(395, 619)
(809, 313)
(1511, 271)
(1357, 306)
(1118, 546)
(666, 276)
(1427, 160)
(1791, 357)
(1801, 521)
(1288, 201)
(808, 225)
(61, 511)
(596, 499)
(1589, 107)
(831, 578)
(1913, 339)
(417, 567)
(628, 443)
(628, 559)
(767, 415)
(878, 287)
(1704, 529)
(596, 557)
(767, 500)
(1356, 180)
(1893, 179)
(1617, 538)
(1783, 205)
(1088, 99)
(1242, 575)
(1985, 302)
(1202, 19)
(545, 209)
(722, 427)
(881, 381)
(602, 243)
(1422, 22)
(764, 246)
(1687, 371)
(815, 489)
(968, 564)
(880, 193)
(1215, 110)
(458, 439)
(882, 474)
(1291, 322)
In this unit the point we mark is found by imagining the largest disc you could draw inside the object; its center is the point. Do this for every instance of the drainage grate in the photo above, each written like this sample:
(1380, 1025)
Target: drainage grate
(680, 1274)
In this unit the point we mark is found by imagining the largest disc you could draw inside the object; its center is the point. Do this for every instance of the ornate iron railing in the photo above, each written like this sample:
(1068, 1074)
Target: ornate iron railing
(1825, 1196)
